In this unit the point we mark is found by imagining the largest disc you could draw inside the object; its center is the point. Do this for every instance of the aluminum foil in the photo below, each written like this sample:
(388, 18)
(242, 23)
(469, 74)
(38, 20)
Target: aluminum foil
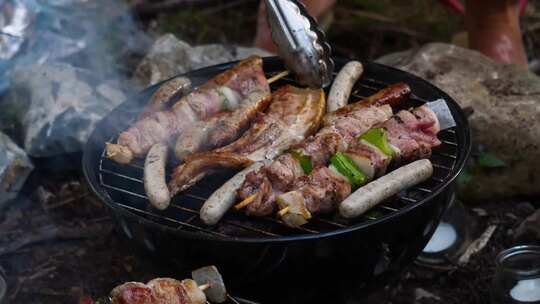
(63, 66)
(15, 166)
(446, 120)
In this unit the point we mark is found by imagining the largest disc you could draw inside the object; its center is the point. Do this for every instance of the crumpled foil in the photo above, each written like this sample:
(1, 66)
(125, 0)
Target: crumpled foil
(15, 18)
(45, 42)
(15, 166)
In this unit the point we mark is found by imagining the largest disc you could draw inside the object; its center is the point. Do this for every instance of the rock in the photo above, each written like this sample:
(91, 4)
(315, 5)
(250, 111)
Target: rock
(480, 212)
(15, 167)
(506, 117)
(525, 208)
(170, 56)
(58, 106)
(420, 294)
(529, 229)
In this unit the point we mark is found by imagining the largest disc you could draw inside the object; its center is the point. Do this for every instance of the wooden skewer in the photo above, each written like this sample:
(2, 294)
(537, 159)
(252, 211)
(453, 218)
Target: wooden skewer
(246, 202)
(204, 287)
(232, 299)
(278, 76)
(283, 211)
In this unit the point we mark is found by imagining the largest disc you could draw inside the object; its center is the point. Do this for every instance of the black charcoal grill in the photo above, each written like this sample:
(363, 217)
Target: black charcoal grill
(254, 252)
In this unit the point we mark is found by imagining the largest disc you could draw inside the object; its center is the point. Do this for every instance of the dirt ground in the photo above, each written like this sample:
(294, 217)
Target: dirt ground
(58, 245)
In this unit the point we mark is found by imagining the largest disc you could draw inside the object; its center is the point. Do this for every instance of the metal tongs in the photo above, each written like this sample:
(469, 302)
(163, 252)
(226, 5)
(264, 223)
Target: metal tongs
(301, 43)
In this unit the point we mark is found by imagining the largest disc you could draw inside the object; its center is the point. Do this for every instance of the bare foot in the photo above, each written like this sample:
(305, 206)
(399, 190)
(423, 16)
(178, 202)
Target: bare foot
(493, 29)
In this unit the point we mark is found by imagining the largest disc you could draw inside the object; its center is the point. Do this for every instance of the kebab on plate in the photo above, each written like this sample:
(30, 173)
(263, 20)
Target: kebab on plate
(407, 136)
(225, 105)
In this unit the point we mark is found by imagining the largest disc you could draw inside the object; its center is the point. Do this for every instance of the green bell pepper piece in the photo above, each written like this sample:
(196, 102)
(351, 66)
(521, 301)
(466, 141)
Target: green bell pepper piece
(304, 160)
(379, 138)
(347, 168)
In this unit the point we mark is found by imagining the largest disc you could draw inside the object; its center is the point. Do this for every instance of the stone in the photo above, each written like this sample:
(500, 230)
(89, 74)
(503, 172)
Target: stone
(15, 167)
(169, 56)
(505, 100)
(420, 293)
(529, 230)
(58, 106)
(524, 208)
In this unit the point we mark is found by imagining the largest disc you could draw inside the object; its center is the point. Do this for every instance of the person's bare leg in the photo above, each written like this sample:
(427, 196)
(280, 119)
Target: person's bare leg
(493, 29)
(263, 38)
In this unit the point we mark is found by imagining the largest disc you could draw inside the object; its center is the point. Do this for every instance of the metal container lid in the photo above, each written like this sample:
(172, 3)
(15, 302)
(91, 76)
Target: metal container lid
(301, 43)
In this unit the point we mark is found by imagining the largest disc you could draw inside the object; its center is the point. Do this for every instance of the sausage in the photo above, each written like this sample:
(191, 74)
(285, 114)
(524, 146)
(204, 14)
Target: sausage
(343, 84)
(384, 187)
(155, 183)
(223, 198)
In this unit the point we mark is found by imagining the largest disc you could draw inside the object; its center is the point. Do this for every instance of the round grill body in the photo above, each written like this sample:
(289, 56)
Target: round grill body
(255, 252)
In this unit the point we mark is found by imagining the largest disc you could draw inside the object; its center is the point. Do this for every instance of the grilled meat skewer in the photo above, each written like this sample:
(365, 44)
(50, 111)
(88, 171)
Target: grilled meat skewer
(171, 291)
(339, 129)
(294, 113)
(243, 90)
(160, 290)
(407, 136)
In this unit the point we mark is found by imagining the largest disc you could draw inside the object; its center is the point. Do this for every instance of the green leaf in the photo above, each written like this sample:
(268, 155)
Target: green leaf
(465, 177)
(488, 160)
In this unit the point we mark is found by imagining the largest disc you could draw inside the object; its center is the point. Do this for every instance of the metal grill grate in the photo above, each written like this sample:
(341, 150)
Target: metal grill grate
(125, 188)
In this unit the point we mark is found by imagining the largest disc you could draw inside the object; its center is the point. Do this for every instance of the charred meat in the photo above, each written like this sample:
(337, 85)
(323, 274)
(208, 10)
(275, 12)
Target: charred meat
(293, 114)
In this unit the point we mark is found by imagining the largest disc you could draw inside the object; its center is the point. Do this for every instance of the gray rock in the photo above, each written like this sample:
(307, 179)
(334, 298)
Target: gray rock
(61, 105)
(529, 229)
(170, 56)
(15, 167)
(420, 294)
(506, 118)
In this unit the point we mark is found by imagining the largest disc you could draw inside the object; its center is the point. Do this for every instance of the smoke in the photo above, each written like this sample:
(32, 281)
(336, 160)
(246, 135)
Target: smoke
(64, 64)
(91, 34)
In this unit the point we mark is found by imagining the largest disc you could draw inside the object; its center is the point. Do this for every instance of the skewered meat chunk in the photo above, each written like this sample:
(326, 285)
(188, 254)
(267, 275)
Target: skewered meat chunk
(170, 91)
(159, 291)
